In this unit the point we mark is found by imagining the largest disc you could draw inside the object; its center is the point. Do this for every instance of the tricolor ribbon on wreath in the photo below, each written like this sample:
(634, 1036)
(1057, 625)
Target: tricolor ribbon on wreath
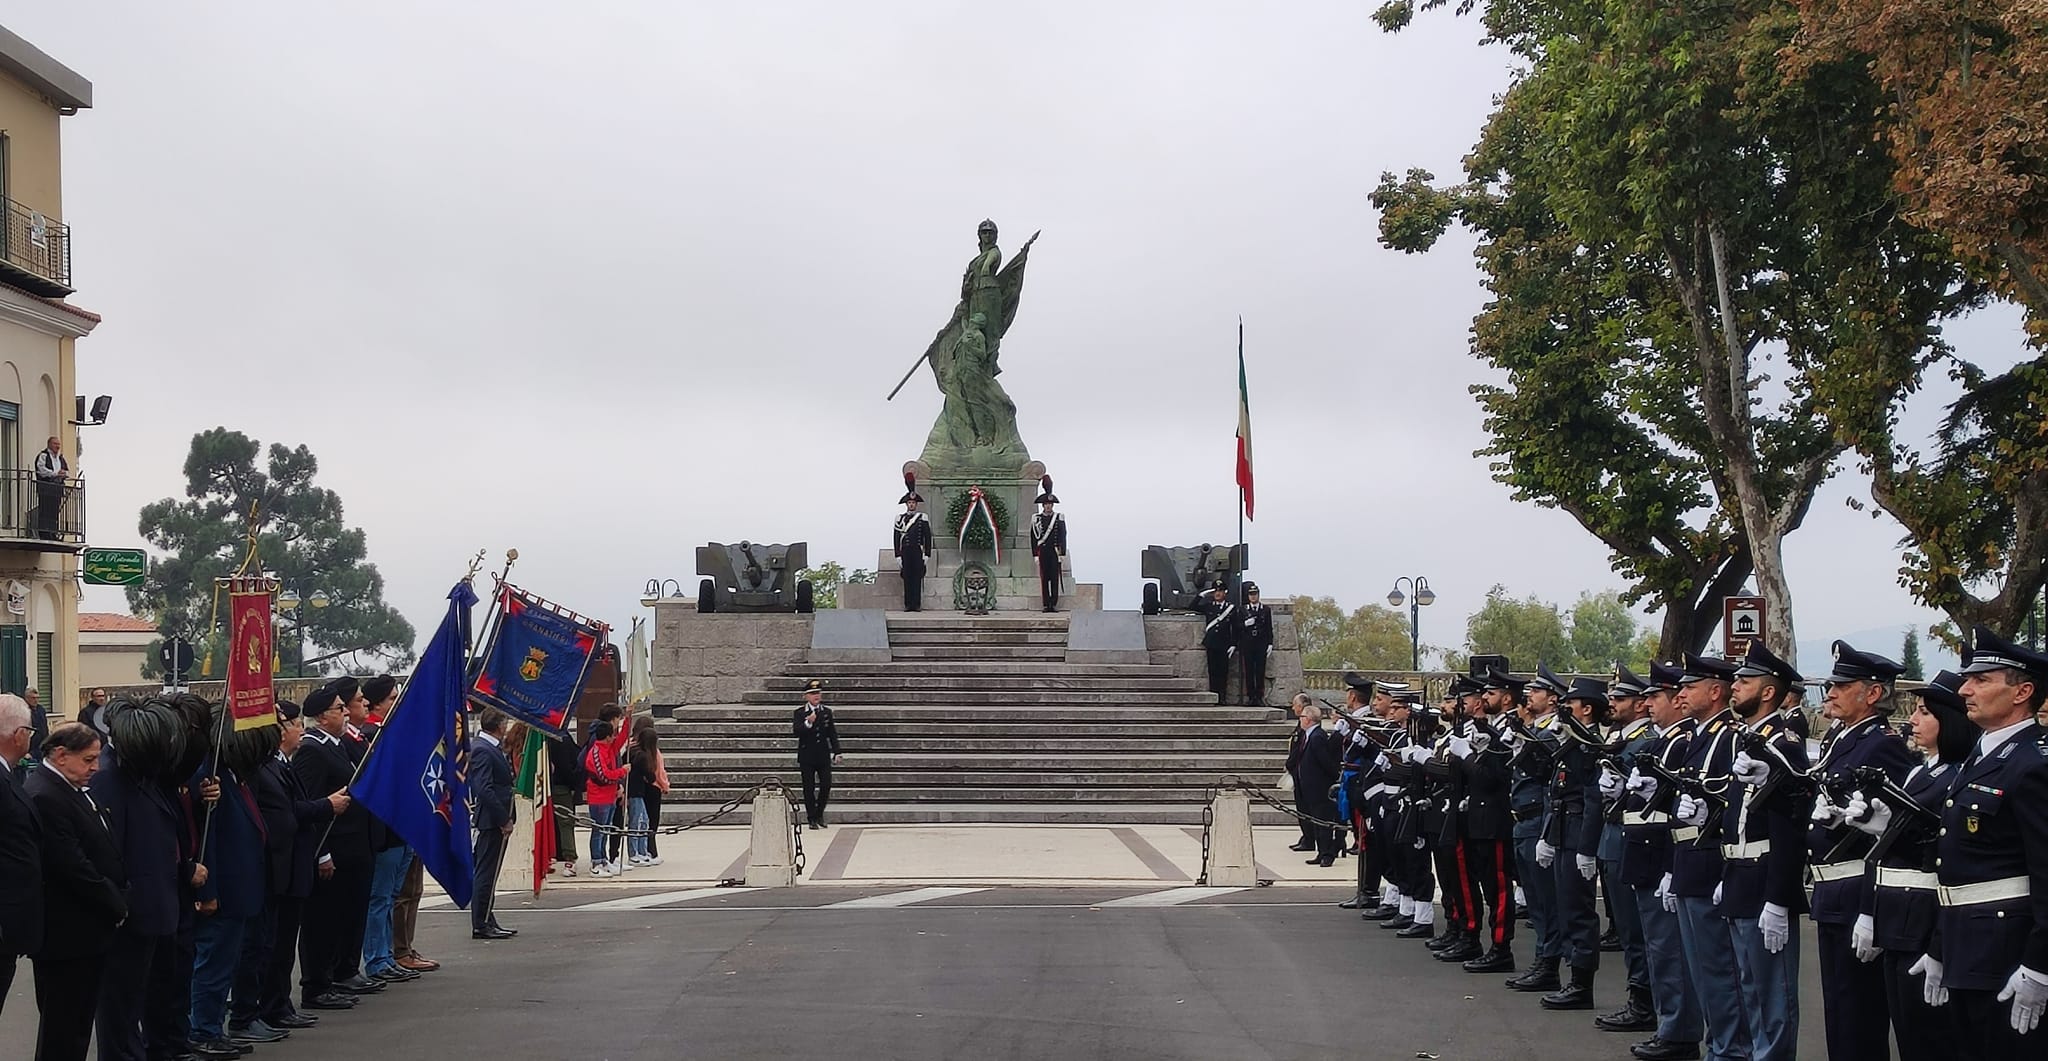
(977, 502)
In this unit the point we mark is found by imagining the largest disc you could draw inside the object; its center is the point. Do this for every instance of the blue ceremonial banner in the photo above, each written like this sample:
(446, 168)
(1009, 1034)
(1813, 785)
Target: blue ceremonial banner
(415, 779)
(537, 661)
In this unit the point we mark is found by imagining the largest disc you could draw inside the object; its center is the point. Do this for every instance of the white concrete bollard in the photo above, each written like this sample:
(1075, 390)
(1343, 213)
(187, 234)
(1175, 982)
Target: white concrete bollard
(771, 861)
(1231, 863)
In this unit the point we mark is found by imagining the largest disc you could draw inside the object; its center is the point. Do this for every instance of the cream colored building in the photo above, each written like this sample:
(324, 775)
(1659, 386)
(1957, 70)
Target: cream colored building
(112, 649)
(42, 523)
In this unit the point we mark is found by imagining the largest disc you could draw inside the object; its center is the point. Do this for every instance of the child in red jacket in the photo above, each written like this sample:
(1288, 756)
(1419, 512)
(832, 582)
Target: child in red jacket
(604, 769)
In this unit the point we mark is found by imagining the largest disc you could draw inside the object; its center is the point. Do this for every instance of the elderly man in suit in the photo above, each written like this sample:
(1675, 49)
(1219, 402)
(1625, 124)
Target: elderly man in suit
(21, 859)
(83, 892)
(490, 787)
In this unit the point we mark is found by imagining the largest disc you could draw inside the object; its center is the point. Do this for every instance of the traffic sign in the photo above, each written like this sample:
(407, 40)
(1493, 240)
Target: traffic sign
(1742, 621)
(114, 567)
(175, 655)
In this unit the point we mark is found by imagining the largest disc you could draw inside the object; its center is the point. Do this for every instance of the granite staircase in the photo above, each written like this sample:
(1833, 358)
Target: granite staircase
(982, 719)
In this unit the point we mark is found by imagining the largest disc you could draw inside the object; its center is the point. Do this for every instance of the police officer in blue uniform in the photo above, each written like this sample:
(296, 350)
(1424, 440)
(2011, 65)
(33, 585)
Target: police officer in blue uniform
(1696, 855)
(1646, 866)
(1989, 956)
(1534, 746)
(1572, 826)
(1632, 733)
(1897, 924)
(1858, 694)
(1763, 854)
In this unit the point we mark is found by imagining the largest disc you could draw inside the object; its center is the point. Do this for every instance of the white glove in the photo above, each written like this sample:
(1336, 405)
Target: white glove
(1481, 739)
(1417, 753)
(1825, 813)
(1691, 811)
(1510, 740)
(1863, 938)
(1461, 747)
(1869, 817)
(1589, 867)
(2029, 997)
(1420, 843)
(1610, 782)
(1749, 771)
(1664, 895)
(1643, 785)
(1776, 925)
(1717, 894)
(1931, 991)
(1381, 762)
(1545, 854)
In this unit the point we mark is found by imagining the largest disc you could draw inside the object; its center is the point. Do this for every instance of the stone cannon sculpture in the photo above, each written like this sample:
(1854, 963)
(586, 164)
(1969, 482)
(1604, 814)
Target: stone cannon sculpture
(752, 578)
(1177, 574)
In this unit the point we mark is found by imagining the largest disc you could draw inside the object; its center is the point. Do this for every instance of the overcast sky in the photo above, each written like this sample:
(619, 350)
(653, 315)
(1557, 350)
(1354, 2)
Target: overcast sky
(606, 284)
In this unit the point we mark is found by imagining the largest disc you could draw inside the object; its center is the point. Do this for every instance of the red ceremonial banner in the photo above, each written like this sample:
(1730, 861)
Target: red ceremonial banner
(251, 700)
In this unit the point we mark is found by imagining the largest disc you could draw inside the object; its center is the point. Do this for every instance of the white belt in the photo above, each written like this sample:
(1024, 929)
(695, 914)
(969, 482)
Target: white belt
(1685, 834)
(1990, 891)
(1645, 817)
(1834, 871)
(1911, 880)
(1378, 790)
(1752, 849)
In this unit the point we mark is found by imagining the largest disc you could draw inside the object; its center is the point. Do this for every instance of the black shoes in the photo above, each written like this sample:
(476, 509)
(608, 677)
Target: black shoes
(1382, 912)
(256, 1032)
(1578, 994)
(214, 1049)
(1418, 930)
(1465, 950)
(1639, 1015)
(1542, 976)
(394, 975)
(1322, 860)
(1659, 1050)
(1356, 902)
(1611, 942)
(293, 1020)
(1450, 938)
(492, 934)
(1301, 847)
(1498, 960)
(330, 1000)
(1398, 922)
(359, 985)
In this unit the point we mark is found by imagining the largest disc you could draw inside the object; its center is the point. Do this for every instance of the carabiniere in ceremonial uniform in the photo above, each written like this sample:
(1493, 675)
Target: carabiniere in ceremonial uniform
(913, 543)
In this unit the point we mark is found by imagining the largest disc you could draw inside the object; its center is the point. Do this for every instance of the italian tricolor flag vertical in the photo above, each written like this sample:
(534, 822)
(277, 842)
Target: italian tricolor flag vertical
(1244, 428)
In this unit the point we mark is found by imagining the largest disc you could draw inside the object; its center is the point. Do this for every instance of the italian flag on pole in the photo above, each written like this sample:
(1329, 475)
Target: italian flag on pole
(1244, 428)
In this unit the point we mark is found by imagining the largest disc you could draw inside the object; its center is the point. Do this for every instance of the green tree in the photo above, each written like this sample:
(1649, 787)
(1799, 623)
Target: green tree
(1527, 632)
(1373, 638)
(1909, 657)
(300, 539)
(1605, 632)
(826, 579)
(1678, 228)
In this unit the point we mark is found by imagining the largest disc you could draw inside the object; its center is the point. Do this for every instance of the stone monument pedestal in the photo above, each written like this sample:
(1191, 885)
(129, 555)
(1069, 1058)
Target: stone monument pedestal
(1013, 572)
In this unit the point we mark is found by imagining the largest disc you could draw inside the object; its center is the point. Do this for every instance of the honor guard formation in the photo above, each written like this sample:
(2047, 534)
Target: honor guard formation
(1691, 807)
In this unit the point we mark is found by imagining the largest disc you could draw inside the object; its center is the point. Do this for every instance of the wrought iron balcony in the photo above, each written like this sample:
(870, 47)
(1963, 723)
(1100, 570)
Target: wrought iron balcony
(35, 251)
(41, 516)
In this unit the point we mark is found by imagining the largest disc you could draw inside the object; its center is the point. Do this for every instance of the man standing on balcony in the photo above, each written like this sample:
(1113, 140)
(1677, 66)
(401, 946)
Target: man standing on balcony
(51, 469)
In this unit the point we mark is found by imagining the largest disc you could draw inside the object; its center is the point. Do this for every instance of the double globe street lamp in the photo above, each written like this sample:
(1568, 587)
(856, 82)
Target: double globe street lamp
(288, 602)
(1421, 598)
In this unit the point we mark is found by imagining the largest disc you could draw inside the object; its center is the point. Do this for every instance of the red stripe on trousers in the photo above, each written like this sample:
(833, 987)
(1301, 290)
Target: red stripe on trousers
(1465, 889)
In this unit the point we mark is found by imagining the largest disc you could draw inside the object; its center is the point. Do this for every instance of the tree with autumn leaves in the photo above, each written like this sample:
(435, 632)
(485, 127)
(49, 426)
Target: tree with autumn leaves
(1707, 290)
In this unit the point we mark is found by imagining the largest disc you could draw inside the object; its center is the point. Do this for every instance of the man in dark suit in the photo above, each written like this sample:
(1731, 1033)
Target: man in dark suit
(1316, 772)
(83, 885)
(356, 735)
(21, 859)
(145, 822)
(292, 824)
(343, 868)
(490, 789)
(231, 897)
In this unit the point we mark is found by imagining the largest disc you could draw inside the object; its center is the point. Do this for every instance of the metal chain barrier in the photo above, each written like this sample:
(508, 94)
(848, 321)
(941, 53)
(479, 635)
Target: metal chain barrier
(796, 829)
(1234, 783)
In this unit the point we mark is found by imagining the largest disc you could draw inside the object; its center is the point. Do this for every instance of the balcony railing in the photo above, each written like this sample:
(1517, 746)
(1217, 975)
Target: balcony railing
(49, 517)
(35, 251)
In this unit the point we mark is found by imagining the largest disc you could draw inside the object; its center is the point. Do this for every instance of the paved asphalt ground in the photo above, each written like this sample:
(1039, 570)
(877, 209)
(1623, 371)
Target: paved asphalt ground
(967, 973)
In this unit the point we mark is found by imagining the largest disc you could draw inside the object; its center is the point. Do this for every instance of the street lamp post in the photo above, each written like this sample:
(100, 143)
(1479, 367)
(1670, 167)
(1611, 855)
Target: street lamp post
(288, 602)
(1420, 596)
